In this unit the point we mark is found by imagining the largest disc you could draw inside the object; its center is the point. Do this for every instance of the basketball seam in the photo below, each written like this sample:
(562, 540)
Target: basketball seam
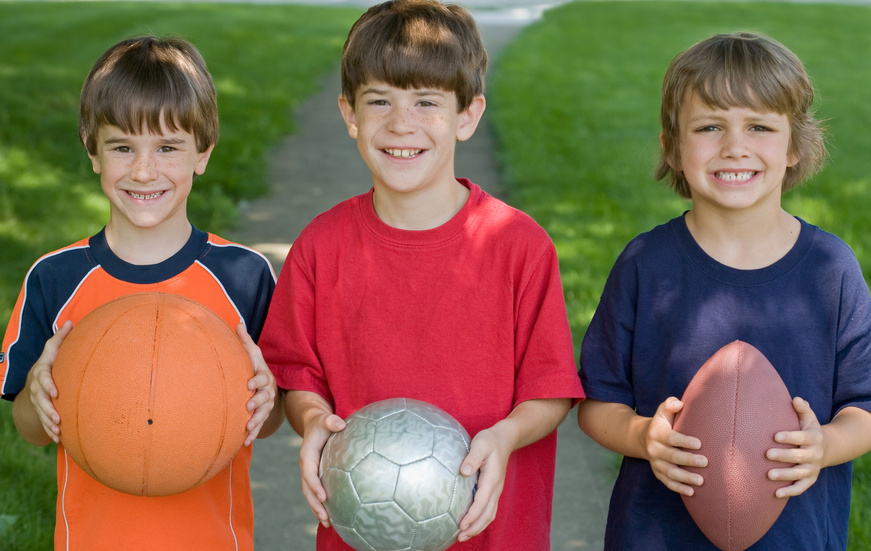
(220, 448)
(155, 354)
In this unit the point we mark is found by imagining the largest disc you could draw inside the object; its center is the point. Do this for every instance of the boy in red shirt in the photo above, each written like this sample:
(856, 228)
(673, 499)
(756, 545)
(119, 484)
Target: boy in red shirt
(427, 287)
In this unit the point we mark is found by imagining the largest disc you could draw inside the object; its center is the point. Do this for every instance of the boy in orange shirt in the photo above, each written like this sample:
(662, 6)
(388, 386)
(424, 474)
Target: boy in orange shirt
(149, 122)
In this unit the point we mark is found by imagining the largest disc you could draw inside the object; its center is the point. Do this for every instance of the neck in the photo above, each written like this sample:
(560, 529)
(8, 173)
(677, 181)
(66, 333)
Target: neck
(744, 240)
(147, 246)
(423, 210)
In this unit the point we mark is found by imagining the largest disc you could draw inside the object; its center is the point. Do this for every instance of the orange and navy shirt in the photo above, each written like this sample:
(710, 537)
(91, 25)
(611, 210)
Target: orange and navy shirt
(233, 281)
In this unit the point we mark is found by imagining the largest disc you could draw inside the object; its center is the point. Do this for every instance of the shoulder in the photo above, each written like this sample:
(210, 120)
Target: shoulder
(230, 251)
(505, 225)
(658, 247)
(827, 243)
(332, 228)
(67, 263)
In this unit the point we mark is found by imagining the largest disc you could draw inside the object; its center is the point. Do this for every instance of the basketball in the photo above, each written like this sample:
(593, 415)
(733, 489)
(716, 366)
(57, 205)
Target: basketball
(152, 392)
(393, 478)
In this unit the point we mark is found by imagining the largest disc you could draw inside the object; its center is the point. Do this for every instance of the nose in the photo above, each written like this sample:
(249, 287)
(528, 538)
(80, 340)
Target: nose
(400, 120)
(735, 145)
(144, 168)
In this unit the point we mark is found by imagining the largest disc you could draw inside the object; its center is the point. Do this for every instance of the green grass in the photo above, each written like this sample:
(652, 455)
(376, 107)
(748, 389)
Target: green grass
(264, 59)
(576, 104)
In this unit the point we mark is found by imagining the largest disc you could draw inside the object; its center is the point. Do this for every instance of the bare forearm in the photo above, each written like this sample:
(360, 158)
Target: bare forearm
(847, 436)
(27, 421)
(532, 420)
(614, 426)
(276, 416)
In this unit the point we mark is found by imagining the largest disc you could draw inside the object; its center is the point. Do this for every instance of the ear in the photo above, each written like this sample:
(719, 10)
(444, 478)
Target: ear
(203, 160)
(95, 163)
(470, 117)
(349, 115)
(670, 156)
(792, 159)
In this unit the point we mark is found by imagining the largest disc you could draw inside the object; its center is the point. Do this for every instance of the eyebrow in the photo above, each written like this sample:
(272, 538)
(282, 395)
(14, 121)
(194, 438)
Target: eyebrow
(112, 140)
(419, 93)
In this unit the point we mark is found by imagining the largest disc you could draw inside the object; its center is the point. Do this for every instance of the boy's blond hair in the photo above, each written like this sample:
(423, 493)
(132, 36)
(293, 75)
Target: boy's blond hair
(741, 70)
(138, 80)
(416, 44)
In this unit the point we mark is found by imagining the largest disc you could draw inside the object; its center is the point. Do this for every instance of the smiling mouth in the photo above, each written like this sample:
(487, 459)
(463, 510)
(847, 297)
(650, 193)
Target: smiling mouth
(735, 176)
(140, 196)
(403, 153)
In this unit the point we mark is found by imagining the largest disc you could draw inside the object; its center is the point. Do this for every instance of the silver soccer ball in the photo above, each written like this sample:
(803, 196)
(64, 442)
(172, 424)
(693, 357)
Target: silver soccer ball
(393, 478)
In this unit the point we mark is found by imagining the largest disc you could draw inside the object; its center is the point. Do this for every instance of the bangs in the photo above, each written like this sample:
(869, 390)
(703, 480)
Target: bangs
(745, 83)
(416, 45)
(419, 55)
(744, 71)
(144, 82)
(139, 111)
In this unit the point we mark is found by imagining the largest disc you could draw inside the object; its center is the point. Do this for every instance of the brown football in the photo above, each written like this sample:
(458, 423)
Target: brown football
(734, 405)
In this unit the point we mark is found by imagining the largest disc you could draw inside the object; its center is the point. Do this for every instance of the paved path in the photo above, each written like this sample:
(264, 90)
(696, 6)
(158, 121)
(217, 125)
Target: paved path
(310, 172)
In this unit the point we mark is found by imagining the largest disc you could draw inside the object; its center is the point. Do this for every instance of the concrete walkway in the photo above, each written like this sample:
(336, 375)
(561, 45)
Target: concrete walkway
(310, 172)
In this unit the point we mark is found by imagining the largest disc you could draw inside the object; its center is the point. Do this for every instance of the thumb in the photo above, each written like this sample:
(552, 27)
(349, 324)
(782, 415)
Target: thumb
(335, 423)
(472, 463)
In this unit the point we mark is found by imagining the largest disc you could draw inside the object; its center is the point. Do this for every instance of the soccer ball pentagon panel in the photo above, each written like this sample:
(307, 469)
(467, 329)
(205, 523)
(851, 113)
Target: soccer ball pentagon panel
(393, 478)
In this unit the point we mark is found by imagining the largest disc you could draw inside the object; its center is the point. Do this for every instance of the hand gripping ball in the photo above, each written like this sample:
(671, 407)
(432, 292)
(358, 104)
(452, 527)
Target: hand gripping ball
(393, 478)
(152, 392)
(734, 405)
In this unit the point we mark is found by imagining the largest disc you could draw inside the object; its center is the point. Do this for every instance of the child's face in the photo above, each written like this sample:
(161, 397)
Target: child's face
(733, 158)
(407, 137)
(147, 177)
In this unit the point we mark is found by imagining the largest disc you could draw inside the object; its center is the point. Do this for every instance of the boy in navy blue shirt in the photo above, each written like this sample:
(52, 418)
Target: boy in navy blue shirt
(737, 131)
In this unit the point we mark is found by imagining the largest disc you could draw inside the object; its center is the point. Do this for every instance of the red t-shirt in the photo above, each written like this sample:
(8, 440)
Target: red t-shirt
(469, 316)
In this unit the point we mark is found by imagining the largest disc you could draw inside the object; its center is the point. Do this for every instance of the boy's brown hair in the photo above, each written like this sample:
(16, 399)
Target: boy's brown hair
(741, 70)
(137, 80)
(416, 44)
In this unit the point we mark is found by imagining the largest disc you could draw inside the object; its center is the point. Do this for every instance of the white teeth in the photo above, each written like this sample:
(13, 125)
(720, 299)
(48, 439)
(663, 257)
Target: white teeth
(140, 196)
(735, 176)
(404, 153)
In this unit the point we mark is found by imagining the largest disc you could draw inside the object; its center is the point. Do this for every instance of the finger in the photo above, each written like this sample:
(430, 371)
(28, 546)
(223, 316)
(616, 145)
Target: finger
(256, 423)
(794, 456)
(265, 392)
(797, 472)
(243, 335)
(471, 465)
(316, 504)
(335, 423)
(481, 522)
(794, 489)
(677, 474)
(680, 487)
(685, 459)
(678, 440)
(309, 461)
(806, 416)
(672, 405)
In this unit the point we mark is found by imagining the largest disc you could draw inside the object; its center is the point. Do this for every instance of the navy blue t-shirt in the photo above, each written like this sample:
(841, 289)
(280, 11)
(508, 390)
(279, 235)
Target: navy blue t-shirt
(667, 307)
